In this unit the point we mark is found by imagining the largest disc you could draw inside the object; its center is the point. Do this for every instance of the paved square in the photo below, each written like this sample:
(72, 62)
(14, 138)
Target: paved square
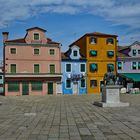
(68, 118)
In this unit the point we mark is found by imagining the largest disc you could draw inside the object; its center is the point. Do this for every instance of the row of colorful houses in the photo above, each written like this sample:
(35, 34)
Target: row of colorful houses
(35, 65)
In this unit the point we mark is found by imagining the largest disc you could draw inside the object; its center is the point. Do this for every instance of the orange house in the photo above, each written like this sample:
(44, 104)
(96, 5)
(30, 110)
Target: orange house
(100, 51)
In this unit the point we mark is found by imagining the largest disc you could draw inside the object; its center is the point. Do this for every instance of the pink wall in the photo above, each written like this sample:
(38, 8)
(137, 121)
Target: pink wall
(25, 58)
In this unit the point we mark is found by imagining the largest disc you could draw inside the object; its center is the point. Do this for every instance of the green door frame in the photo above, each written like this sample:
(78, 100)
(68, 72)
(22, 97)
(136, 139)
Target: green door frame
(25, 88)
(50, 88)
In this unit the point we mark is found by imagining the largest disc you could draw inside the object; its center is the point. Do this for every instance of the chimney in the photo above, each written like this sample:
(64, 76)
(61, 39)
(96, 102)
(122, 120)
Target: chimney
(5, 36)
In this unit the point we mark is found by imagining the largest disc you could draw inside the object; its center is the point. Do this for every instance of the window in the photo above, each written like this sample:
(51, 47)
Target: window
(110, 67)
(119, 65)
(36, 85)
(52, 51)
(134, 65)
(110, 41)
(93, 83)
(75, 53)
(36, 68)
(83, 83)
(110, 53)
(13, 50)
(139, 65)
(93, 53)
(13, 86)
(68, 67)
(52, 68)
(0, 77)
(82, 68)
(68, 84)
(93, 67)
(134, 52)
(36, 36)
(36, 51)
(138, 51)
(13, 68)
(93, 40)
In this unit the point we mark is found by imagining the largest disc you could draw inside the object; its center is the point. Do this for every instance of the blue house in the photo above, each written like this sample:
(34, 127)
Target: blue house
(73, 67)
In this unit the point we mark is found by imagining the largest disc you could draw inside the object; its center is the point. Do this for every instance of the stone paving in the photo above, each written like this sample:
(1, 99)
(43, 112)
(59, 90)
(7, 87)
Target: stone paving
(68, 118)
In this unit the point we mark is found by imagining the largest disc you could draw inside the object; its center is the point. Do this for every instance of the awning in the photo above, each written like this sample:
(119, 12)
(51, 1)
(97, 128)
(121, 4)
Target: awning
(133, 76)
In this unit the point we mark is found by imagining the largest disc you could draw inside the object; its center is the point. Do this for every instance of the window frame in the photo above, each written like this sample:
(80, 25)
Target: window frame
(34, 69)
(108, 42)
(50, 52)
(121, 65)
(70, 84)
(34, 36)
(134, 54)
(11, 51)
(84, 83)
(96, 66)
(132, 65)
(34, 88)
(74, 53)
(96, 83)
(81, 67)
(90, 40)
(66, 67)
(34, 51)
(11, 68)
(50, 68)
(110, 64)
(13, 89)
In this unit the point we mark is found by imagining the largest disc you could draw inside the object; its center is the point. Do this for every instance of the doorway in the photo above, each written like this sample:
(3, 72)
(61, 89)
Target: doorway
(50, 88)
(75, 87)
(25, 88)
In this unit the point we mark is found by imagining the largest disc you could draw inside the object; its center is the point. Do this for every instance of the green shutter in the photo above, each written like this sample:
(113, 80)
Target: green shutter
(83, 83)
(82, 67)
(110, 67)
(13, 68)
(36, 36)
(68, 84)
(13, 50)
(93, 53)
(68, 67)
(52, 68)
(93, 67)
(13, 86)
(36, 85)
(36, 51)
(36, 68)
(110, 53)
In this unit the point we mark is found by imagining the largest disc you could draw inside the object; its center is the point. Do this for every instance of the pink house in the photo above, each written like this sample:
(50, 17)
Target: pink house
(32, 64)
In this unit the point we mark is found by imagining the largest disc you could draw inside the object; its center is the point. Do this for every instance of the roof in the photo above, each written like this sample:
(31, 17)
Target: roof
(119, 48)
(65, 56)
(100, 34)
(119, 54)
(132, 76)
(36, 28)
(22, 40)
(93, 34)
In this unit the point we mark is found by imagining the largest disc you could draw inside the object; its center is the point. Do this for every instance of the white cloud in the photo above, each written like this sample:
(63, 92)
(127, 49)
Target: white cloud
(125, 12)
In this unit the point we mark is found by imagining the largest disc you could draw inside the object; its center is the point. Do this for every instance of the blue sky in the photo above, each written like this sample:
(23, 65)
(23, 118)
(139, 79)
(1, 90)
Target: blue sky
(67, 20)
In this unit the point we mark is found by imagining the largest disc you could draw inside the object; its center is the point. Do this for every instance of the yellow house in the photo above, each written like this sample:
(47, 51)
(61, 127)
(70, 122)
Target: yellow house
(100, 51)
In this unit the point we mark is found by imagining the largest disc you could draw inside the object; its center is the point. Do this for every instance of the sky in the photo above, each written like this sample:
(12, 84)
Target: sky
(67, 20)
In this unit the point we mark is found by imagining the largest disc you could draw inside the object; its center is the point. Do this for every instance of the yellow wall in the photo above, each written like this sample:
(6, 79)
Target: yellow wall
(101, 59)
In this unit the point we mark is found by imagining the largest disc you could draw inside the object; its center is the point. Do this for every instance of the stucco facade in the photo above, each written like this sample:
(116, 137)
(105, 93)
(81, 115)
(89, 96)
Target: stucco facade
(32, 64)
(73, 67)
(100, 51)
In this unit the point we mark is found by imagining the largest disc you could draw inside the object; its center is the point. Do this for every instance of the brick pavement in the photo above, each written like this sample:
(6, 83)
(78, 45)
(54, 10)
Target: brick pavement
(68, 118)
